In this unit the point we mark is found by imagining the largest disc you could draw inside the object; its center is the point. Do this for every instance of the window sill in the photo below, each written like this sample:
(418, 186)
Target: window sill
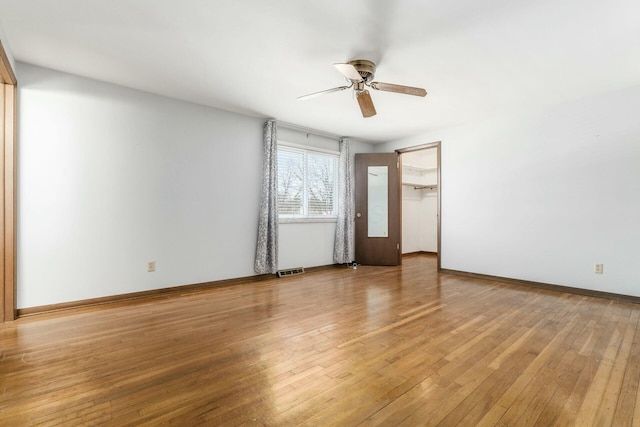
(307, 220)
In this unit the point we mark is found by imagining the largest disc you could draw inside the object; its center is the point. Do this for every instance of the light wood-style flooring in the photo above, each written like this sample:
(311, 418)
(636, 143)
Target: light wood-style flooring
(396, 346)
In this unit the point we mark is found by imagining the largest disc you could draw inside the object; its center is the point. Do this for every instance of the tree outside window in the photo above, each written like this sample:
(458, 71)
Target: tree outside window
(306, 183)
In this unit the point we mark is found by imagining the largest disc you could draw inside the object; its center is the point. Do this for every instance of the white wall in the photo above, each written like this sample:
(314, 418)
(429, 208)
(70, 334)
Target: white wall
(110, 178)
(306, 244)
(545, 195)
(420, 205)
(7, 49)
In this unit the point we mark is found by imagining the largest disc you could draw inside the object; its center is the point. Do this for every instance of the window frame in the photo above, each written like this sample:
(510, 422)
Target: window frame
(306, 218)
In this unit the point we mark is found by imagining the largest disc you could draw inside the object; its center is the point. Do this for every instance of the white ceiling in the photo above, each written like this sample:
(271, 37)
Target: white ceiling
(475, 58)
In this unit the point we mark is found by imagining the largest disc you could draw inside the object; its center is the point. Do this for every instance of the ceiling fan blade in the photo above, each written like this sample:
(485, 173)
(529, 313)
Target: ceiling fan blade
(349, 71)
(407, 90)
(323, 92)
(366, 104)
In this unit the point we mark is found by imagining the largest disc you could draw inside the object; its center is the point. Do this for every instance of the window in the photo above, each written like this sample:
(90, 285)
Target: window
(307, 182)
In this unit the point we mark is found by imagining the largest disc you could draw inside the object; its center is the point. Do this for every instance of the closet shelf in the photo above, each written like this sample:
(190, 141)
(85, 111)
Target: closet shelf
(421, 170)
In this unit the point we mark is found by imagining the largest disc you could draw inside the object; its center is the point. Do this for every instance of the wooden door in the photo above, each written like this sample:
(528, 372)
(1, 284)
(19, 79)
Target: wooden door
(378, 201)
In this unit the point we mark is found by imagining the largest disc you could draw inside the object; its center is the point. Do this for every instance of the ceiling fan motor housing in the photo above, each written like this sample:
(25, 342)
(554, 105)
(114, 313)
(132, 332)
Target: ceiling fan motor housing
(366, 69)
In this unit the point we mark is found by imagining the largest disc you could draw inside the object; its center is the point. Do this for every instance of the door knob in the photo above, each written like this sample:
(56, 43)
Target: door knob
(358, 215)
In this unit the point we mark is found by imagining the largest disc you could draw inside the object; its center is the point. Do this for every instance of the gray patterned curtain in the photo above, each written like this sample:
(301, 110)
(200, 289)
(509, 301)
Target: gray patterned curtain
(267, 248)
(343, 247)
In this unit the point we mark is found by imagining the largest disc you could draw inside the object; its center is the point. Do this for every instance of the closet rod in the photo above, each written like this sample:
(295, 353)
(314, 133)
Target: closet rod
(425, 187)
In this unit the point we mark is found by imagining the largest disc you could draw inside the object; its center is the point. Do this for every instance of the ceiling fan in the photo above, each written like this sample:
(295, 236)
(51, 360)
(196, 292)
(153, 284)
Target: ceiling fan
(359, 73)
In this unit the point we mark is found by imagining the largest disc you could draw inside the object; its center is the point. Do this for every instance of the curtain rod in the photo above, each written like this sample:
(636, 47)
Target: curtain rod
(309, 131)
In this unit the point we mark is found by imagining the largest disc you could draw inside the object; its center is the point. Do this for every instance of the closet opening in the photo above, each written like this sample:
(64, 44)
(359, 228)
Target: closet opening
(421, 200)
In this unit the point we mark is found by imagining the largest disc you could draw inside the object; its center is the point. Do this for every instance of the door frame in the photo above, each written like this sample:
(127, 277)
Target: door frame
(8, 130)
(438, 146)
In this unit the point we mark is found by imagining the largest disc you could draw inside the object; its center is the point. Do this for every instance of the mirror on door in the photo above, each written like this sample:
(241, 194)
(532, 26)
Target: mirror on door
(378, 206)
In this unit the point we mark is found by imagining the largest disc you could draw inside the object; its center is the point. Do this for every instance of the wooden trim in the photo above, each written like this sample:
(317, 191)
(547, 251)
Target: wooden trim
(153, 293)
(156, 293)
(547, 286)
(398, 205)
(419, 253)
(7, 76)
(325, 267)
(8, 141)
(439, 262)
(5, 297)
(7, 194)
(8, 127)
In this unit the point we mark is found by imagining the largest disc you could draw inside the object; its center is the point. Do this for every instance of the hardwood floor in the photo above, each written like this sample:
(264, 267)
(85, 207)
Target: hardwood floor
(372, 346)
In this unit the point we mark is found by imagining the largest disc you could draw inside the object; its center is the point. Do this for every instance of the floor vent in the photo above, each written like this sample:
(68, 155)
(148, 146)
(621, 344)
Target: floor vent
(290, 272)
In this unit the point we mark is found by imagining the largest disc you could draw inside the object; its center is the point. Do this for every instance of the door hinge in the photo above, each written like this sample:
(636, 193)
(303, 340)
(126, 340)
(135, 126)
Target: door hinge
(398, 246)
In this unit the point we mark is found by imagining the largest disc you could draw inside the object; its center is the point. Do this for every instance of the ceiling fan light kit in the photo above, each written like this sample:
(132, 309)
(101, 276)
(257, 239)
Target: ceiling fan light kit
(360, 73)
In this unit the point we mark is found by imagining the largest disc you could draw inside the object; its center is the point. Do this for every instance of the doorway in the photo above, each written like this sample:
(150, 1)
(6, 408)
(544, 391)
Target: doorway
(421, 197)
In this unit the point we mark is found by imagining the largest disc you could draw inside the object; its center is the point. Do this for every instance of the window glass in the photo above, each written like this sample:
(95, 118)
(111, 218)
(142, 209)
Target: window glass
(307, 182)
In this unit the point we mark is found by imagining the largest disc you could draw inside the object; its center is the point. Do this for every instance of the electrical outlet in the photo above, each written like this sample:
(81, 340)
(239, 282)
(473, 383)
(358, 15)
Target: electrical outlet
(151, 266)
(599, 269)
